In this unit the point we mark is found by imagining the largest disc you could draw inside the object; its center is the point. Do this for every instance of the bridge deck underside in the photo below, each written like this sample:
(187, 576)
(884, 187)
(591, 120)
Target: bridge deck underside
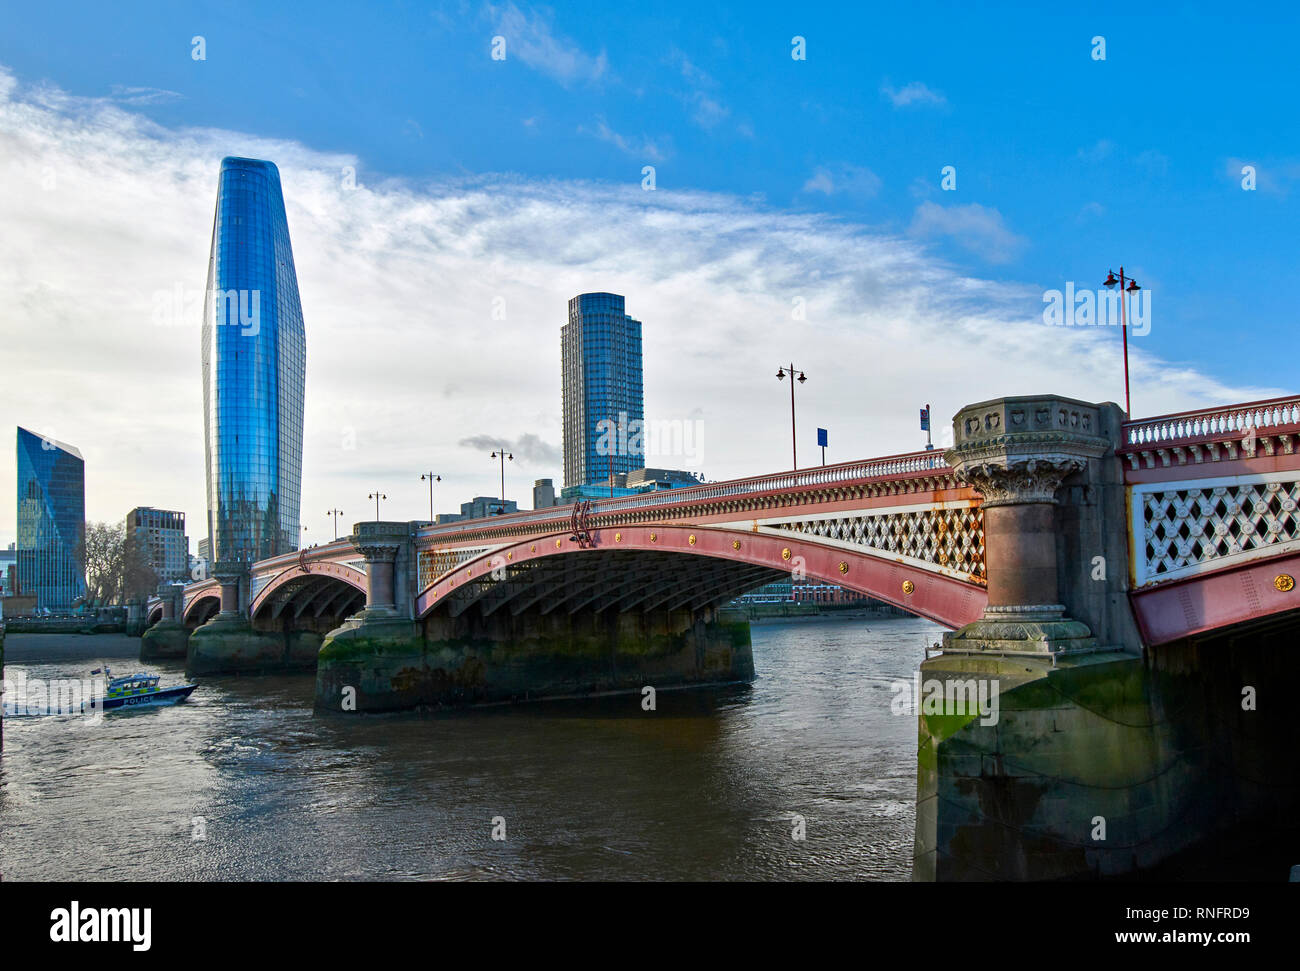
(621, 581)
(312, 595)
(201, 609)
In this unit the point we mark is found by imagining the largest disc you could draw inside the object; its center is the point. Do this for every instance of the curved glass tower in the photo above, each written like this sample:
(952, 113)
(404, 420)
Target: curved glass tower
(254, 369)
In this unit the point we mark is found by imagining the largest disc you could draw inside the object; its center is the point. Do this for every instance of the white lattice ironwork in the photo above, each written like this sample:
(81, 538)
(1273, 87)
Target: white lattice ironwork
(950, 537)
(1189, 527)
(434, 563)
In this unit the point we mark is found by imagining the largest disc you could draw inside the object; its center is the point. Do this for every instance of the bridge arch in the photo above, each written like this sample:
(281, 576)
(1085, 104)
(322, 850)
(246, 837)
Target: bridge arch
(673, 567)
(312, 590)
(155, 613)
(203, 607)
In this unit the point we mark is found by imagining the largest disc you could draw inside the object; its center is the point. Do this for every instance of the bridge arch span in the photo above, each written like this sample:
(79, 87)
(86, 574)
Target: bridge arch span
(671, 567)
(203, 607)
(319, 590)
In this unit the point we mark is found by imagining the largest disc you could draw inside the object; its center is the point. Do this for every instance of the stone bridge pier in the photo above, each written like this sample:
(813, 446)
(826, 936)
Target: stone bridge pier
(560, 635)
(1085, 757)
(169, 637)
(233, 643)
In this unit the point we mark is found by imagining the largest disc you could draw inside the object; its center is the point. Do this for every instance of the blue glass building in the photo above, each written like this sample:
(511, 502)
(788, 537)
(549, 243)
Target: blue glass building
(51, 520)
(600, 349)
(254, 369)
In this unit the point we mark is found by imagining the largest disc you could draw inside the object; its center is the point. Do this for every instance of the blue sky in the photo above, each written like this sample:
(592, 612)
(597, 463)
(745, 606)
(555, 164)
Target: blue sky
(1066, 166)
(1088, 163)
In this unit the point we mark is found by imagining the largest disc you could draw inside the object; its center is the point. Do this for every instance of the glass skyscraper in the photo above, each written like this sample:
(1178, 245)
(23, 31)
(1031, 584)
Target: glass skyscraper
(51, 520)
(254, 369)
(600, 348)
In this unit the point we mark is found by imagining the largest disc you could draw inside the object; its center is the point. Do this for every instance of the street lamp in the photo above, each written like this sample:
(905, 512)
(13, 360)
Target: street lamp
(1132, 287)
(432, 479)
(376, 496)
(335, 514)
(503, 455)
(780, 376)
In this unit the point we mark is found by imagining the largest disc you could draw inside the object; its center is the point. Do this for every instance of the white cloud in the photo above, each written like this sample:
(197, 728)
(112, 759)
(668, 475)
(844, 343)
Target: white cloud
(976, 228)
(143, 96)
(531, 38)
(405, 358)
(915, 93)
(707, 110)
(639, 147)
(842, 178)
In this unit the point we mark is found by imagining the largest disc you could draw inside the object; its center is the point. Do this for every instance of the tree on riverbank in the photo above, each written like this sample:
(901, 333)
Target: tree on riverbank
(115, 563)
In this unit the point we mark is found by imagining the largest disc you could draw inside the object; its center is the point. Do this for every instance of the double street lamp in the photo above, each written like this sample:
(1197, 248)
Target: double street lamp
(780, 376)
(431, 479)
(376, 496)
(502, 454)
(1132, 287)
(335, 514)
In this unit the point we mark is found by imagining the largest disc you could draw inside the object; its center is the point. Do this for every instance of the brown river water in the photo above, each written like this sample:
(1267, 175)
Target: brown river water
(243, 782)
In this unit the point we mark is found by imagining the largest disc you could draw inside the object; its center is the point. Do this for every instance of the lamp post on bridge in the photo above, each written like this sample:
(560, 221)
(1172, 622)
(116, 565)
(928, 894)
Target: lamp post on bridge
(502, 454)
(780, 376)
(376, 496)
(335, 514)
(431, 479)
(1123, 318)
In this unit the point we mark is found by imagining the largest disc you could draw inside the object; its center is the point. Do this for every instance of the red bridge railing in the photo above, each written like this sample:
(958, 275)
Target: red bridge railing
(1208, 422)
(888, 466)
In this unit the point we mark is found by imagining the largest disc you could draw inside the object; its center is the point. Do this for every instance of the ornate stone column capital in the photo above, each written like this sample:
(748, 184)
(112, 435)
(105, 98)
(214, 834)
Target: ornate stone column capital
(379, 541)
(1008, 480)
(228, 571)
(1020, 450)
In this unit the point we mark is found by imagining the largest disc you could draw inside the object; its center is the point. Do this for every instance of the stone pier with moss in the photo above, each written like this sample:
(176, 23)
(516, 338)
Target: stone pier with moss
(232, 643)
(383, 659)
(1052, 744)
(168, 639)
(382, 663)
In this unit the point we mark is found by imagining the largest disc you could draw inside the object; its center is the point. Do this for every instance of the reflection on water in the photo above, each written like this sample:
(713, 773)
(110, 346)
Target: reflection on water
(706, 787)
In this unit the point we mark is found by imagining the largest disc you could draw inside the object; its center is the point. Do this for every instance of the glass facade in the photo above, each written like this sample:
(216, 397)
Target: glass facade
(51, 520)
(600, 349)
(254, 369)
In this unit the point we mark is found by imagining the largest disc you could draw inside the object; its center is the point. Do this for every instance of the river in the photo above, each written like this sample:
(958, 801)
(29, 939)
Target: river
(243, 782)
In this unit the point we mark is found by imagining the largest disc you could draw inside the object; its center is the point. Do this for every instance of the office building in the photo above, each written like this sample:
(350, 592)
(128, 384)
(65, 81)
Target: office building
(254, 369)
(600, 350)
(161, 533)
(51, 520)
(543, 494)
